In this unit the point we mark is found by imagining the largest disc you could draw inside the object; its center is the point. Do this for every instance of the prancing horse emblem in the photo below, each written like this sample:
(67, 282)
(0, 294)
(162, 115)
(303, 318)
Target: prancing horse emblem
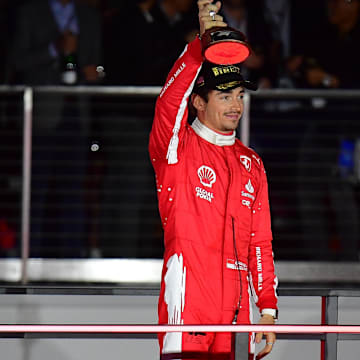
(246, 161)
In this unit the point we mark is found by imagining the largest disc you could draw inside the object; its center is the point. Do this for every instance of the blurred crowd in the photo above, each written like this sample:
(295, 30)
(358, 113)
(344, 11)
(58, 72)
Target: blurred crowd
(295, 43)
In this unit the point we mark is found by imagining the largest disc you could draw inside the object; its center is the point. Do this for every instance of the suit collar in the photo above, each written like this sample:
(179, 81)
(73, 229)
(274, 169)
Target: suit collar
(212, 136)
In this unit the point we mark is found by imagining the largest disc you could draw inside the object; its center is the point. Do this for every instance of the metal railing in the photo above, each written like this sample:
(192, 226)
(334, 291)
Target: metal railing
(28, 94)
(329, 332)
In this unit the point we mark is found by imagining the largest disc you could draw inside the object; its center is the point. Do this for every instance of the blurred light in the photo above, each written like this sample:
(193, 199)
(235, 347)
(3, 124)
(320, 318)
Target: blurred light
(95, 146)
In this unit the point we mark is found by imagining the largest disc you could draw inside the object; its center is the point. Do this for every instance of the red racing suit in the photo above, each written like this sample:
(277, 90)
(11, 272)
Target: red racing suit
(213, 202)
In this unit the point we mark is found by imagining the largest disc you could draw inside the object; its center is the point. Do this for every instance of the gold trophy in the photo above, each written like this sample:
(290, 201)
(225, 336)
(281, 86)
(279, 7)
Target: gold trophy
(224, 45)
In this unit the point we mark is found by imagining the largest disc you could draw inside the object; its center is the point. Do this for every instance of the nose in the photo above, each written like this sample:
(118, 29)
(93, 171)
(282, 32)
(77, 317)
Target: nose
(236, 104)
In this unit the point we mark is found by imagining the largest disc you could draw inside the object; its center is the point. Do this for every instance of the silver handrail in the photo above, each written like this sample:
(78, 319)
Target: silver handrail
(26, 183)
(152, 91)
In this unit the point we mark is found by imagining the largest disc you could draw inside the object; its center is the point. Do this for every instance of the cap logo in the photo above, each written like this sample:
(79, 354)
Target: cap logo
(225, 70)
(228, 85)
(200, 81)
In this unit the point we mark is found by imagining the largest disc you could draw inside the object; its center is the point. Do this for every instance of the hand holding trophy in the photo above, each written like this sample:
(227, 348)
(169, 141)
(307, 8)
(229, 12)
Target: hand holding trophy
(221, 44)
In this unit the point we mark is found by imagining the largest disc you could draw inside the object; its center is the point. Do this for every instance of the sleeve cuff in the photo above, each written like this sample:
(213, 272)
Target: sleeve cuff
(272, 312)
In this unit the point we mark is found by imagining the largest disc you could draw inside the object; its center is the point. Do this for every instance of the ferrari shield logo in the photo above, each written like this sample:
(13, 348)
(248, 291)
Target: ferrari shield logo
(246, 161)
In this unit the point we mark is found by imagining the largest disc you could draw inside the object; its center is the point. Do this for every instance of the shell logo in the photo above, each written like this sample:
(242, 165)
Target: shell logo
(206, 175)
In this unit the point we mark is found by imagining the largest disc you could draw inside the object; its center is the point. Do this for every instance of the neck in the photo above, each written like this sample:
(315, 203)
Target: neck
(205, 123)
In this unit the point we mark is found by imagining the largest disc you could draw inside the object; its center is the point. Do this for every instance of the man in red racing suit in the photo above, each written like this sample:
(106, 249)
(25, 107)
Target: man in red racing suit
(213, 202)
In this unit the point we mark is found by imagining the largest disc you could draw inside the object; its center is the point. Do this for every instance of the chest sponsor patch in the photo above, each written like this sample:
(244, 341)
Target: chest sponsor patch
(246, 161)
(248, 194)
(206, 175)
(257, 159)
(249, 188)
(236, 265)
(245, 194)
(204, 194)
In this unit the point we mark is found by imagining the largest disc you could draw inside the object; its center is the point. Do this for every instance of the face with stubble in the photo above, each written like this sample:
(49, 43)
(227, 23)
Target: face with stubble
(223, 109)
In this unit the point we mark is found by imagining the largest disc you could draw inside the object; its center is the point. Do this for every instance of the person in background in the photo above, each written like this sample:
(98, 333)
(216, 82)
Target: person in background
(152, 45)
(58, 42)
(40, 47)
(128, 46)
(249, 18)
(334, 64)
(278, 13)
(325, 56)
(214, 207)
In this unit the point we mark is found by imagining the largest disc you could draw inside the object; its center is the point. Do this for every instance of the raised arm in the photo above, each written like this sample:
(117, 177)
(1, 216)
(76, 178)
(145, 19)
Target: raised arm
(171, 110)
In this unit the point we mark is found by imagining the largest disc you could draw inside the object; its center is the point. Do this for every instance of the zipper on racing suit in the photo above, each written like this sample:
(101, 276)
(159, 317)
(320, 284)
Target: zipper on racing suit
(237, 265)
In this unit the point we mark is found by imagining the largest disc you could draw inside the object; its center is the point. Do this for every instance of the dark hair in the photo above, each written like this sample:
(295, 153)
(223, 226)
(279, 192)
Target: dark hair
(204, 94)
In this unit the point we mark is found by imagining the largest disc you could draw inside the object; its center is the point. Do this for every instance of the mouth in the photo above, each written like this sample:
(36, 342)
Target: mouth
(233, 116)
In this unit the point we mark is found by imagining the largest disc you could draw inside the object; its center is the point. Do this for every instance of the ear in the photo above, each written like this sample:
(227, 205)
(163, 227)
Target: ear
(198, 102)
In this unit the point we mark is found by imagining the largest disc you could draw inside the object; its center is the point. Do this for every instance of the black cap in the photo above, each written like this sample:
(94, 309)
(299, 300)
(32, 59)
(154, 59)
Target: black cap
(221, 78)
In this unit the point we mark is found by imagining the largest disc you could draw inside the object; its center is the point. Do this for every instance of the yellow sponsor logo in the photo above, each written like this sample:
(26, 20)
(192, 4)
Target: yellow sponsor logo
(225, 70)
(228, 85)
